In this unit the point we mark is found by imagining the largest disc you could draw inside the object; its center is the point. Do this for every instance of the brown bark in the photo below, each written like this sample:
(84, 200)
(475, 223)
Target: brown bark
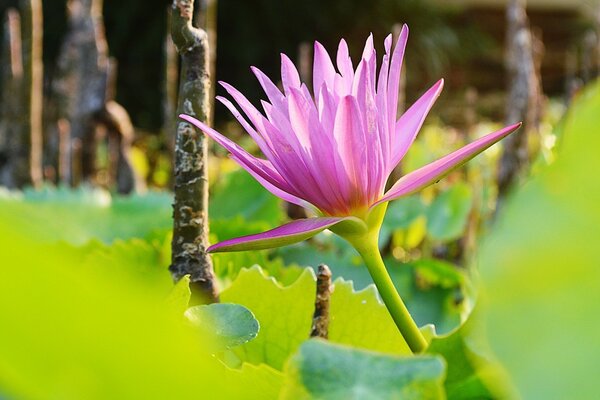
(320, 325)
(11, 127)
(206, 19)
(80, 86)
(524, 97)
(33, 76)
(190, 210)
(170, 89)
(22, 97)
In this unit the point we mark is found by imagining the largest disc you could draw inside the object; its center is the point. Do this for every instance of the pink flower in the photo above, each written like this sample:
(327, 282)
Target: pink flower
(332, 151)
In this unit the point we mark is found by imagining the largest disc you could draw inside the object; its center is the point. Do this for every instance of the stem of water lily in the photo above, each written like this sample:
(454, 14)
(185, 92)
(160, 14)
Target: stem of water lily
(369, 251)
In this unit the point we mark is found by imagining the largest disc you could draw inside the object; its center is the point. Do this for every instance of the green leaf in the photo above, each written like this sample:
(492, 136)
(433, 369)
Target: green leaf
(133, 259)
(91, 333)
(448, 215)
(179, 297)
(284, 313)
(322, 370)
(541, 269)
(229, 324)
(359, 319)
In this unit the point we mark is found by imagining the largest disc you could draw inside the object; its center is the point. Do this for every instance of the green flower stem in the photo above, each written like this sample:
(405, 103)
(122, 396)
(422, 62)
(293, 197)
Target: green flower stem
(369, 252)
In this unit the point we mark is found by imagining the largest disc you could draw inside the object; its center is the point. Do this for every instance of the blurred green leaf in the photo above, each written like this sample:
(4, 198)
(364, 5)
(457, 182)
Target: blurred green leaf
(76, 332)
(469, 364)
(448, 215)
(541, 269)
(322, 370)
(80, 215)
(179, 297)
(237, 194)
(399, 215)
(230, 324)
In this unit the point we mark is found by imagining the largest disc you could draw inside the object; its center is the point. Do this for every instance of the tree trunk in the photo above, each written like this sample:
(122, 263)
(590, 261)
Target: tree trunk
(21, 126)
(190, 210)
(523, 100)
(11, 126)
(80, 87)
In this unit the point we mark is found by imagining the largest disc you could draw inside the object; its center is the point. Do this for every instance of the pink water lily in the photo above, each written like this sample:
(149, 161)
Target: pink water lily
(332, 151)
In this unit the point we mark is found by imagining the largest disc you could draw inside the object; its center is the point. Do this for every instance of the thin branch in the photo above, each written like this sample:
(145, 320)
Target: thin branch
(320, 325)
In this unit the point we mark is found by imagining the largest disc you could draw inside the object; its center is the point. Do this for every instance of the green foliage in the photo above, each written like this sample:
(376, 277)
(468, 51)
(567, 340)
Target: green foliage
(321, 370)
(284, 313)
(401, 214)
(237, 194)
(229, 324)
(470, 366)
(75, 332)
(540, 267)
(359, 319)
(84, 214)
(448, 215)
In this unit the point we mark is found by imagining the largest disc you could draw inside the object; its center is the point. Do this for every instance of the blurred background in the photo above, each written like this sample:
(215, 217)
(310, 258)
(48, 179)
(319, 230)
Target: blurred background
(88, 93)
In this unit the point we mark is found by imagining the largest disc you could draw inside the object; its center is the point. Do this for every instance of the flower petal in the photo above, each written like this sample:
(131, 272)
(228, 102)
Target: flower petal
(275, 96)
(394, 74)
(293, 232)
(323, 69)
(254, 166)
(410, 122)
(290, 78)
(351, 141)
(436, 170)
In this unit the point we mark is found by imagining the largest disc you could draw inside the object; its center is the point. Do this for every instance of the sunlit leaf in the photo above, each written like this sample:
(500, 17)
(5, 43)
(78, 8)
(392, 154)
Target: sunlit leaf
(284, 314)
(229, 324)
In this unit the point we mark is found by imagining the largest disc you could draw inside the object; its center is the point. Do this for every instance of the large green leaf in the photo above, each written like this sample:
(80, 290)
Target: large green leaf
(321, 370)
(284, 314)
(75, 332)
(541, 269)
(359, 319)
(230, 325)
(448, 215)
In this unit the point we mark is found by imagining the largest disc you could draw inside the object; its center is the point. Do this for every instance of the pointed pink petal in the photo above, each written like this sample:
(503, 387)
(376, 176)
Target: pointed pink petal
(273, 93)
(289, 74)
(323, 70)
(343, 80)
(411, 121)
(253, 165)
(394, 75)
(381, 98)
(258, 138)
(290, 198)
(293, 232)
(436, 170)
